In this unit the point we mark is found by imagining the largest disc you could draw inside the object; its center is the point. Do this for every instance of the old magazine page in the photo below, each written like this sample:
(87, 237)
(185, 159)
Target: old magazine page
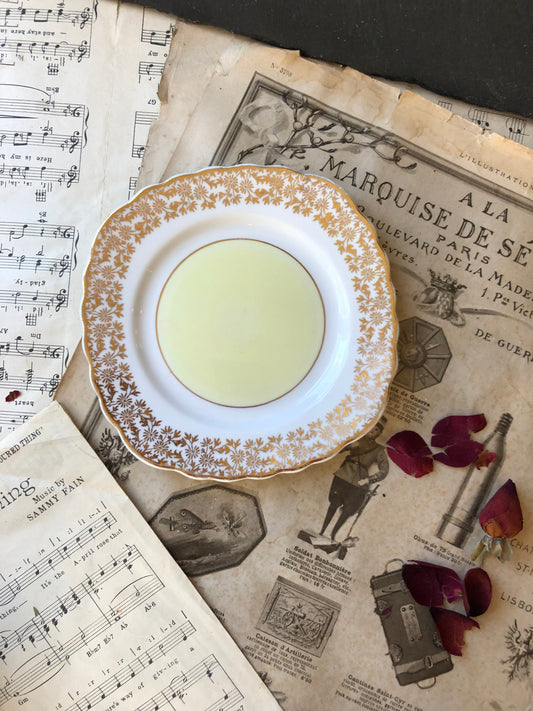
(296, 566)
(95, 613)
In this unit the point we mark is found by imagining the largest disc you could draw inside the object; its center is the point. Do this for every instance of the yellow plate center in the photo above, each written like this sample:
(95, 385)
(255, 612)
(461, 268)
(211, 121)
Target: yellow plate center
(240, 322)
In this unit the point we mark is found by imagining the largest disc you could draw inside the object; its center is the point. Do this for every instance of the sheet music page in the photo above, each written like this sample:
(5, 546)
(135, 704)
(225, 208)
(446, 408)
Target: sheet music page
(515, 128)
(78, 92)
(94, 612)
(452, 208)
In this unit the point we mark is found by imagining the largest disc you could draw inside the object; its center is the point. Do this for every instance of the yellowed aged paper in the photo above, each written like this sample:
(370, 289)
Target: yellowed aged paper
(186, 73)
(95, 613)
(78, 93)
(301, 569)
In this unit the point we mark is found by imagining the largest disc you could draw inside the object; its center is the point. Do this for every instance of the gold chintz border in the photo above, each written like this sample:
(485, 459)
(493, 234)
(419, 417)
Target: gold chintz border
(160, 444)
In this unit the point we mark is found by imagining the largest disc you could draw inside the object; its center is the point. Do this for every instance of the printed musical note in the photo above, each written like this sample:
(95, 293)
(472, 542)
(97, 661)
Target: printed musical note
(165, 645)
(160, 38)
(14, 16)
(46, 49)
(77, 595)
(57, 300)
(223, 693)
(132, 187)
(29, 377)
(516, 128)
(18, 230)
(39, 669)
(150, 69)
(39, 138)
(143, 121)
(48, 562)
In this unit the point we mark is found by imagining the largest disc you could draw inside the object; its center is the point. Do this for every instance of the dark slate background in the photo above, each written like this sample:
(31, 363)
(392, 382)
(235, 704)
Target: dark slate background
(480, 51)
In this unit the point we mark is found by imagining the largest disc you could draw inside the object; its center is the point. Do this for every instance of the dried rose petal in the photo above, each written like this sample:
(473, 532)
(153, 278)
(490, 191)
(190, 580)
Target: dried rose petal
(455, 428)
(485, 458)
(478, 592)
(501, 517)
(409, 451)
(429, 584)
(451, 627)
(453, 435)
(13, 395)
(460, 455)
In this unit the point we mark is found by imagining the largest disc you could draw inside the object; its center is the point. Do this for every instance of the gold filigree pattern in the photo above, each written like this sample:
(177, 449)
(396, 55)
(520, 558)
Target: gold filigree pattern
(232, 458)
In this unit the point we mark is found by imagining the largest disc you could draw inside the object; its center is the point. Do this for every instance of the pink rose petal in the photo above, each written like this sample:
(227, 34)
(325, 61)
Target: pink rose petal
(452, 434)
(501, 517)
(409, 451)
(429, 584)
(451, 627)
(478, 592)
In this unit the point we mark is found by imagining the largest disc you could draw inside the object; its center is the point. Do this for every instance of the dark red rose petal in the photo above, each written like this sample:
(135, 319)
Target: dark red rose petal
(501, 517)
(455, 428)
(429, 584)
(452, 434)
(478, 592)
(13, 395)
(451, 627)
(461, 454)
(408, 450)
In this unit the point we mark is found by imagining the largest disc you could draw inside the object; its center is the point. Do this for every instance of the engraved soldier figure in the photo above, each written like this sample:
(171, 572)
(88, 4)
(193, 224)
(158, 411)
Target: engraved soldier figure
(354, 482)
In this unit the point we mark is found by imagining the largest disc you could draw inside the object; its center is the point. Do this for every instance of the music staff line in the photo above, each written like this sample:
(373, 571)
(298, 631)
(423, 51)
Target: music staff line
(15, 15)
(69, 601)
(28, 381)
(150, 69)
(161, 38)
(515, 126)
(46, 49)
(20, 108)
(169, 642)
(59, 266)
(48, 562)
(138, 150)
(39, 670)
(8, 417)
(35, 350)
(179, 686)
(18, 230)
(42, 138)
(56, 301)
(54, 175)
(145, 118)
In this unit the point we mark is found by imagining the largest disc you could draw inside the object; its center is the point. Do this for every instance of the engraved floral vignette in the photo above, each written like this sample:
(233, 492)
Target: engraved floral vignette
(373, 368)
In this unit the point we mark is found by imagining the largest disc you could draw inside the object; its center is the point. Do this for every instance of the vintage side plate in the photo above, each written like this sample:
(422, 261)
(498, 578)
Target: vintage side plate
(165, 424)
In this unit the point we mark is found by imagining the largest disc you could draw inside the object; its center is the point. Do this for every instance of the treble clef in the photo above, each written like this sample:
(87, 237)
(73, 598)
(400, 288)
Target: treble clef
(72, 175)
(83, 50)
(85, 17)
(64, 264)
(73, 141)
(61, 299)
(52, 387)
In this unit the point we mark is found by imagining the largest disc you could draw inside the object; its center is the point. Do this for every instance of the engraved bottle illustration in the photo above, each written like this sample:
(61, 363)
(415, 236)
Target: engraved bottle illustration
(458, 523)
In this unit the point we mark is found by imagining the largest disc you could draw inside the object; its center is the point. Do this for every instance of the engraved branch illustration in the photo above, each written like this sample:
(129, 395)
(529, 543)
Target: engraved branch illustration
(288, 126)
